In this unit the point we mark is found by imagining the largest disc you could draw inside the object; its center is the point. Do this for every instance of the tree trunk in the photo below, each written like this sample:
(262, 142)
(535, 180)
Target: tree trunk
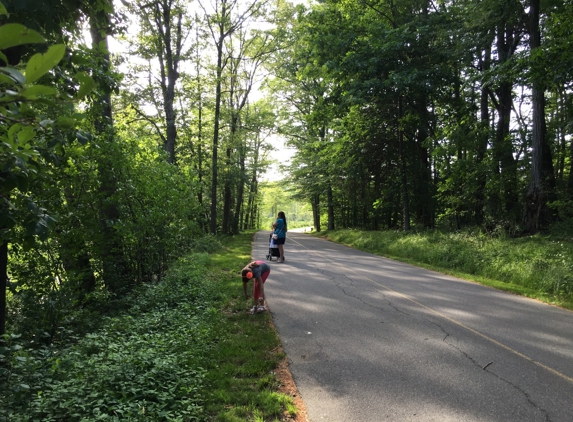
(561, 134)
(113, 262)
(364, 191)
(569, 189)
(330, 206)
(171, 128)
(99, 27)
(503, 148)
(250, 214)
(423, 184)
(542, 179)
(425, 213)
(216, 122)
(200, 150)
(169, 57)
(315, 203)
(482, 142)
(536, 199)
(240, 193)
(403, 176)
(3, 287)
(228, 216)
(199, 116)
(227, 197)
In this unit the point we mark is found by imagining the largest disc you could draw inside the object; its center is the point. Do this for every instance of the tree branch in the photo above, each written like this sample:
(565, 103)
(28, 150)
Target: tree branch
(150, 120)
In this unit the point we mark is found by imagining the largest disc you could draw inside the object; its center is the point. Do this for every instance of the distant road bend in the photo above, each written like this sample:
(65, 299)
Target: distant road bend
(371, 339)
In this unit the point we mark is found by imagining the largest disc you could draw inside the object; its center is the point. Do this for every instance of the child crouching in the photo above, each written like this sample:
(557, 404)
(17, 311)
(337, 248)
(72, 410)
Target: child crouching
(259, 272)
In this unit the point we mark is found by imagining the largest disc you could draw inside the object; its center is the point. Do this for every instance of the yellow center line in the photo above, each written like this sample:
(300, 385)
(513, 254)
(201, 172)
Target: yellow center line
(491, 340)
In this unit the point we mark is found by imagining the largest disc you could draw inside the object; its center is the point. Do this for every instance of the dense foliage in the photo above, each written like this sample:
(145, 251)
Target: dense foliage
(163, 352)
(419, 113)
(146, 362)
(106, 167)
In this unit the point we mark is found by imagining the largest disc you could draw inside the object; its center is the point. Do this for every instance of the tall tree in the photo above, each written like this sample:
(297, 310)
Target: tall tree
(165, 28)
(246, 50)
(224, 18)
(542, 181)
(114, 265)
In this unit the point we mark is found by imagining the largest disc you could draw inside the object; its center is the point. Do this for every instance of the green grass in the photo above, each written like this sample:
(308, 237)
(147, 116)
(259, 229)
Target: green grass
(540, 267)
(185, 349)
(240, 371)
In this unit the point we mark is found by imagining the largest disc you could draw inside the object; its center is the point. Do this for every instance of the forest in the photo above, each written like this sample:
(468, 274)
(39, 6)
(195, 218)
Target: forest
(424, 114)
(134, 133)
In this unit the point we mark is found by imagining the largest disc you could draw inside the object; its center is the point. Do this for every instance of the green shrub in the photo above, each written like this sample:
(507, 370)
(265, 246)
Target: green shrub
(146, 363)
(208, 244)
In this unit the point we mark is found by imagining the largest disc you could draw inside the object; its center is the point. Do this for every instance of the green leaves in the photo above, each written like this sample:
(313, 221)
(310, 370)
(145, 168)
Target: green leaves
(143, 364)
(86, 84)
(83, 137)
(40, 64)
(13, 34)
(17, 143)
(66, 122)
(34, 91)
(28, 113)
(11, 76)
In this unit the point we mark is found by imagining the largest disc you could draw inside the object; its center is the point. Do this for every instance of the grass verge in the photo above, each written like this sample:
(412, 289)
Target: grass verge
(185, 349)
(539, 267)
(240, 375)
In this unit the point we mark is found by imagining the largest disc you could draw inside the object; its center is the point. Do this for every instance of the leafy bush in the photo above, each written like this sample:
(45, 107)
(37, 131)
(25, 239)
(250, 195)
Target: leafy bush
(208, 244)
(146, 363)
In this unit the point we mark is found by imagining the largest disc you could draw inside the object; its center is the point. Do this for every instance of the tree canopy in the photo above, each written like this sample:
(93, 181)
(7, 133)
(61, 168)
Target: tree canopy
(426, 114)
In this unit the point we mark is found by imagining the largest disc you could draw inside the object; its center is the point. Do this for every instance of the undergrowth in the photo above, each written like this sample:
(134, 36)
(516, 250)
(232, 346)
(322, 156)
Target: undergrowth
(183, 349)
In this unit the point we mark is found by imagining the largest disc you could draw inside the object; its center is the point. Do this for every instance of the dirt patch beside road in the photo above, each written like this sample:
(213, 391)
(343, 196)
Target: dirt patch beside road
(287, 386)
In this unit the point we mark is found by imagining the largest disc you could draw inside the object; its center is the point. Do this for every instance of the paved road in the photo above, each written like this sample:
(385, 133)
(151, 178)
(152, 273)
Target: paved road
(371, 339)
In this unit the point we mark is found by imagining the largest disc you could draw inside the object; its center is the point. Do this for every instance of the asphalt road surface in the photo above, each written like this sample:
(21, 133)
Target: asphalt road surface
(371, 339)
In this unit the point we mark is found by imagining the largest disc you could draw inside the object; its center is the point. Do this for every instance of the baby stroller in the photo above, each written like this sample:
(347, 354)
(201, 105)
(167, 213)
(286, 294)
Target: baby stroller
(273, 249)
